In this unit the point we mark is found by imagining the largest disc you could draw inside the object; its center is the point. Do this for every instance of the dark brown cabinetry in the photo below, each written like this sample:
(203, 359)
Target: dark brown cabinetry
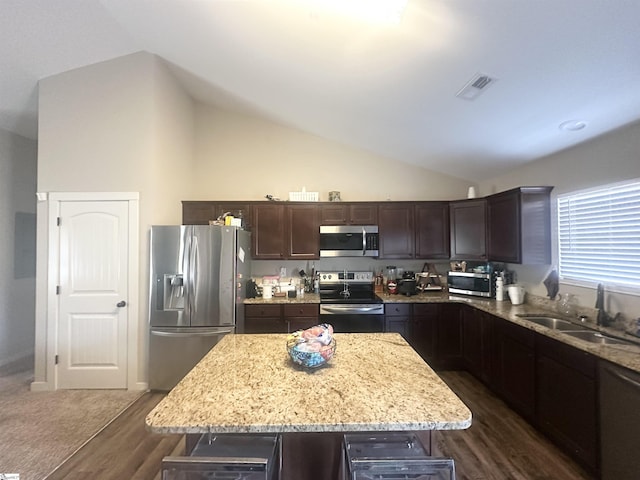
(423, 330)
(339, 213)
(300, 316)
(478, 345)
(302, 232)
(468, 229)
(396, 229)
(201, 212)
(398, 319)
(432, 235)
(267, 236)
(264, 319)
(449, 336)
(284, 318)
(285, 231)
(516, 366)
(566, 399)
(519, 226)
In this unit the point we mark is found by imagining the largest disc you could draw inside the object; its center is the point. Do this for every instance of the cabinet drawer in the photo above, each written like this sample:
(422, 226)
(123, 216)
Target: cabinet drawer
(301, 310)
(397, 309)
(259, 311)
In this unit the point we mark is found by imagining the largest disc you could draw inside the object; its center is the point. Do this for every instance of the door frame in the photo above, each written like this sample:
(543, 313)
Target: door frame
(54, 201)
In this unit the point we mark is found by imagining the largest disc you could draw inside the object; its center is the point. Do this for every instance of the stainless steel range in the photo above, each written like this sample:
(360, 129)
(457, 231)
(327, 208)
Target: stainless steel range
(349, 303)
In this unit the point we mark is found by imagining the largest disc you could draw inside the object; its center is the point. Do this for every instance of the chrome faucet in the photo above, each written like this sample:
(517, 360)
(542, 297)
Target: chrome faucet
(603, 318)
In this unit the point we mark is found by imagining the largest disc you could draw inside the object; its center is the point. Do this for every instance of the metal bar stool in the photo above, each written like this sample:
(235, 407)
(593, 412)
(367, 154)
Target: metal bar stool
(228, 457)
(400, 455)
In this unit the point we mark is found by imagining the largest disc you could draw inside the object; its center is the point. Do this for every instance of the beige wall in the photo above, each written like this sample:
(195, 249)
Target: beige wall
(17, 275)
(125, 126)
(245, 158)
(610, 158)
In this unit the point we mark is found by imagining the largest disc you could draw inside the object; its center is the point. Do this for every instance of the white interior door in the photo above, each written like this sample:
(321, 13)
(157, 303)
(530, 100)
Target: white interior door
(93, 311)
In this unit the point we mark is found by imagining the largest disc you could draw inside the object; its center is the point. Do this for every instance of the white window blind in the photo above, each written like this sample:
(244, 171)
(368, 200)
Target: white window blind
(599, 235)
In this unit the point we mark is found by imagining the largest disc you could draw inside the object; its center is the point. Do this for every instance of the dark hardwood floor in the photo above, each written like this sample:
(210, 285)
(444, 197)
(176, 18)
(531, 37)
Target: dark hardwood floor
(499, 445)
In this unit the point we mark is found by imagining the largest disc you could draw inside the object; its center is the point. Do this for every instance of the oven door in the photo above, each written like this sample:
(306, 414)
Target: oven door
(353, 318)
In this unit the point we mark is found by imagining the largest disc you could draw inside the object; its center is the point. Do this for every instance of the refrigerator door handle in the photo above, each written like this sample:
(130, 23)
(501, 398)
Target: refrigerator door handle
(183, 334)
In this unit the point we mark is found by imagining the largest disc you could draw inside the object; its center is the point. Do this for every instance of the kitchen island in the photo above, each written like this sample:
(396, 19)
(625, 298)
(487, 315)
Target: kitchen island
(247, 383)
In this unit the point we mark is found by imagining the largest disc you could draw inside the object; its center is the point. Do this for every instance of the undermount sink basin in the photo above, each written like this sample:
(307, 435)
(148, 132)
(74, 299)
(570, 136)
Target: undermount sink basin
(552, 322)
(597, 337)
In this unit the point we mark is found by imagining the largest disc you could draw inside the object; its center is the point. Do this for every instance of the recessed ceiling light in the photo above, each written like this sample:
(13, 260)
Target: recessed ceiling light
(572, 125)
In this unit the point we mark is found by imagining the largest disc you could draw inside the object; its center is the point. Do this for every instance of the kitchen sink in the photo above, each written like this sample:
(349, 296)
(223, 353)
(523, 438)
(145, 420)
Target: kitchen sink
(597, 337)
(552, 322)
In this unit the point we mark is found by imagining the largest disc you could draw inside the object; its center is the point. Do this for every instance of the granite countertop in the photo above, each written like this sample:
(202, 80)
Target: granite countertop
(625, 355)
(248, 383)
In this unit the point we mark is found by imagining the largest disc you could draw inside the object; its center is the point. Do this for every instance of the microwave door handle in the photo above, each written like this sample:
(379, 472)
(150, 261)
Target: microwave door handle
(364, 241)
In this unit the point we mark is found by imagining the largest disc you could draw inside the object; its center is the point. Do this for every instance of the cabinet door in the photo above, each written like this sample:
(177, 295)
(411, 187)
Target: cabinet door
(468, 230)
(303, 232)
(472, 340)
(516, 367)
(198, 213)
(566, 398)
(423, 330)
(363, 214)
(503, 227)
(264, 319)
(300, 316)
(335, 213)
(395, 226)
(449, 336)
(432, 230)
(268, 231)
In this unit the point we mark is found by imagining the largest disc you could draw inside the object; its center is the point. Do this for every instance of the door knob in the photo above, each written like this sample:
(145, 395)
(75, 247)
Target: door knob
(121, 304)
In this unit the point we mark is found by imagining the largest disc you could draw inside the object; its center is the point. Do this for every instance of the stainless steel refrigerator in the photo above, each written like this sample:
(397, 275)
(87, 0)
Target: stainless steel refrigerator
(198, 278)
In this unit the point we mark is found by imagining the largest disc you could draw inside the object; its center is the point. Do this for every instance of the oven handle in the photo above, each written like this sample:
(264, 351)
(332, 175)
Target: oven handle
(349, 309)
(364, 242)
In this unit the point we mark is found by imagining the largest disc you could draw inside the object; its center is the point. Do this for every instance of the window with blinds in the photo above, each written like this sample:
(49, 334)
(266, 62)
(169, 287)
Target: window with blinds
(599, 235)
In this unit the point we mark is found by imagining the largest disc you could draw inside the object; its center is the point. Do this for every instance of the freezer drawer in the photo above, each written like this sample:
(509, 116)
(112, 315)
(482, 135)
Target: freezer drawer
(173, 352)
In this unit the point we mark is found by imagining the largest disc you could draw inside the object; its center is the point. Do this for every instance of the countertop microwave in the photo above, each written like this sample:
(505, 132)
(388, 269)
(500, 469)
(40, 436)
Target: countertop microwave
(349, 241)
(470, 283)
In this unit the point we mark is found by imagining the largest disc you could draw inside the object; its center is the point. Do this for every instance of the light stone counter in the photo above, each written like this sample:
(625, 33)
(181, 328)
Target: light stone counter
(248, 383)
(625, 355)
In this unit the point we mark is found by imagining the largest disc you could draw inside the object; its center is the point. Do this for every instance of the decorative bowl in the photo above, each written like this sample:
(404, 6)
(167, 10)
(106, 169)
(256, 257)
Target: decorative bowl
(313, 347)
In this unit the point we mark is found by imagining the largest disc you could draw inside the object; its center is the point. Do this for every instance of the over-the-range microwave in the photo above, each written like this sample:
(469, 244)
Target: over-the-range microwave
(349, 241)
(470, 283)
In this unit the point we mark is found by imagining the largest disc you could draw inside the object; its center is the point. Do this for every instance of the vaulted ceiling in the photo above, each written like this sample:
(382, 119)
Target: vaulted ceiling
(388, 88)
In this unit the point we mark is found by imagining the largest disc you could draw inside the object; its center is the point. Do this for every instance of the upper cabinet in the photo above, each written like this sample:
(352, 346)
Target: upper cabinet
(432, 230)
(285, 231)
(396, 229)
(201, 212)
(468, 229)
(339, 213)
(519, 226)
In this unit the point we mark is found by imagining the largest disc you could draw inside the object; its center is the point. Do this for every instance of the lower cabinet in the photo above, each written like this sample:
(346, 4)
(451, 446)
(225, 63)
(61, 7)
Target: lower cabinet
(398, 319)
(478, 344)
(566, 399)
(449, 337)
(264, 319)
(279, 318)
(423, 330)
(516, 367)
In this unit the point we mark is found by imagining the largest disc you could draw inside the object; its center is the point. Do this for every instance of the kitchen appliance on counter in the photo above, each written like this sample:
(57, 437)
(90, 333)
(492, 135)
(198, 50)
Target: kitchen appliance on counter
(349, 241)
(407, 285)
(198, 276)
(470, 283)
(349, 303)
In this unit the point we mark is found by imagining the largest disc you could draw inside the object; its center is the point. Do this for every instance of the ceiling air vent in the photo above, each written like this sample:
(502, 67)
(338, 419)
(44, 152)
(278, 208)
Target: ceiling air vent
(474, 87)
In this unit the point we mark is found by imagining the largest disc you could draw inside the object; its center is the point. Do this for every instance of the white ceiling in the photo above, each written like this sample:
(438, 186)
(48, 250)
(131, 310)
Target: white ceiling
(389, 89)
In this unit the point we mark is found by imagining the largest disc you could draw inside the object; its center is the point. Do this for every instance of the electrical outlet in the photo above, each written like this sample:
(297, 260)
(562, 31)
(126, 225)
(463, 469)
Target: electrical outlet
(283, 272)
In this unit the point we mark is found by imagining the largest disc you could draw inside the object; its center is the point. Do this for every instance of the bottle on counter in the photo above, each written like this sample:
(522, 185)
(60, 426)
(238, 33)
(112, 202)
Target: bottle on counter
(499, 289)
